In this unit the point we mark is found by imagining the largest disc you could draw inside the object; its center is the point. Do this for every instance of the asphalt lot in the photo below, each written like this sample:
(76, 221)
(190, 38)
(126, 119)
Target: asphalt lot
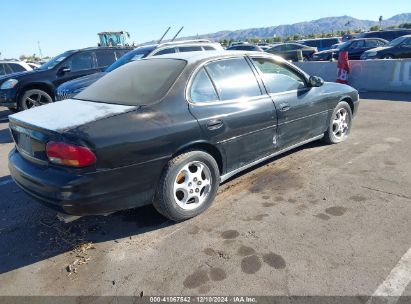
(320, 220)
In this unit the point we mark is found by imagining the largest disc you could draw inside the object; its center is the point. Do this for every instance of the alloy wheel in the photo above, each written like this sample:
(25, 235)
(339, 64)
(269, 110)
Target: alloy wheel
(341, 123)
(35, 100)
(192, 185)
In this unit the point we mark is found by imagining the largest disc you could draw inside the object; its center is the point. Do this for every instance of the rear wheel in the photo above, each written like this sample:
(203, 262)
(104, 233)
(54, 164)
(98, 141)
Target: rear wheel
(340, 124)
(34, 98)
(187, 186)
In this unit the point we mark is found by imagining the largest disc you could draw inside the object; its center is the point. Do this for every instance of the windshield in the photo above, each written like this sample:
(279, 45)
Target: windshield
(130, 56)
(397, 41)
(142, 82)
(55, 61)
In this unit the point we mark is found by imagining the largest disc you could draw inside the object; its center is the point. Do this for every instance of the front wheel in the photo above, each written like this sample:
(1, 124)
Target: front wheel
(187, 186)
(34, 98)
(340, 124)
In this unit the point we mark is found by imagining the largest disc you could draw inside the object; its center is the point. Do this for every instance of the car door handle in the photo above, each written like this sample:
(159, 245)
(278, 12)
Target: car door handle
(284, 107)
(214, 124)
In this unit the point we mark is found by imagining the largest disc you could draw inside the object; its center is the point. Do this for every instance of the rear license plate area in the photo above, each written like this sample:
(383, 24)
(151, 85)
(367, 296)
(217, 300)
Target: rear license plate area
(24, 143)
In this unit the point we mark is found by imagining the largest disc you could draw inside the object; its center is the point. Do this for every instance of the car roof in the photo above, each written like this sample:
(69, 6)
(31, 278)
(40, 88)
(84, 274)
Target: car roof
(193, 57)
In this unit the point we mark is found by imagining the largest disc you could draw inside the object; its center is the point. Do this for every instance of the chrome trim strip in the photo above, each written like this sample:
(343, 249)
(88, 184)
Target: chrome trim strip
(249, 133)
(228, 175)
(297, 119)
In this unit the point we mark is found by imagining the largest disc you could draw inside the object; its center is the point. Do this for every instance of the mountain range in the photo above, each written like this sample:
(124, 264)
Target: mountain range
(323, 25)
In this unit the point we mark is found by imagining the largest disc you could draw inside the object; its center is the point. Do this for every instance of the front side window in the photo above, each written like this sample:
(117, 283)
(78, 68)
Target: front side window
(80, 61)
(357, 44)
(278, 78)
(105, 58)
(233, 78)
(208, 48)
(202, 89)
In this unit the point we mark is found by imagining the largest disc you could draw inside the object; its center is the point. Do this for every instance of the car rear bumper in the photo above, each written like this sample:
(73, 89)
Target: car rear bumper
(86, 194)
(8, 98)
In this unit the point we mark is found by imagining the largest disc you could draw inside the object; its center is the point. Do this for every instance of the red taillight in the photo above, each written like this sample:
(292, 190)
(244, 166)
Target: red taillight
(69, 155)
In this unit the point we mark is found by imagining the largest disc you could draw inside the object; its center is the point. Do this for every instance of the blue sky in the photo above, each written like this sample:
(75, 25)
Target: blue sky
(69, 24)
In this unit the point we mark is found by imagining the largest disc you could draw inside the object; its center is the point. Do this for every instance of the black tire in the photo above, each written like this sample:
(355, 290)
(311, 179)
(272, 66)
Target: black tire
(41, 98)
(13, 110)
(388, 56)
(166, 200)
(330, 137)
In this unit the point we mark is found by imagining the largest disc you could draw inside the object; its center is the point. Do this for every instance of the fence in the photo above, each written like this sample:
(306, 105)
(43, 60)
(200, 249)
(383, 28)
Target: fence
(368, 75)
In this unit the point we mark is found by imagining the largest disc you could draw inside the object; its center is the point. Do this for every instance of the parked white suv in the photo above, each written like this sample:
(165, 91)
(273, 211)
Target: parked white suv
(10, 67)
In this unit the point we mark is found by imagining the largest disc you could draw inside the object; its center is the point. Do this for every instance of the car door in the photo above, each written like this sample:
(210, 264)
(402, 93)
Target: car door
(405, 49)
(302, 111)
(233, 112)
(78, 65)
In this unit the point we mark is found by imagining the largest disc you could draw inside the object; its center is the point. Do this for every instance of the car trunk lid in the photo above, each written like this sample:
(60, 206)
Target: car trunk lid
(32, 129)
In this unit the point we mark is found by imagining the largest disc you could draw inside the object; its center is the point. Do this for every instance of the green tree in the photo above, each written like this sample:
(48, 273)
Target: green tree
(405, 25)
(374, 28)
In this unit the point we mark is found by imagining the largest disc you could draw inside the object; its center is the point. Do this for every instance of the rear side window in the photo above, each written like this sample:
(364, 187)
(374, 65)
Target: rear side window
(278, 78)
(105, 58)
(208, 48)
(140, 82)
(184, 49)
(165, 51)
(202, 89)
(80, 61)
(233, 78)
(16, 67)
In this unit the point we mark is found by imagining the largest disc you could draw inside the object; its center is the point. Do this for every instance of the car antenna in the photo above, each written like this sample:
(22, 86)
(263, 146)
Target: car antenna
(178, 33)
(162, 37)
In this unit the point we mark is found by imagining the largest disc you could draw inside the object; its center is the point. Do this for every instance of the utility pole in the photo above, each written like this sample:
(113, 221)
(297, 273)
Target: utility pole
(40, 52)
(380, 20)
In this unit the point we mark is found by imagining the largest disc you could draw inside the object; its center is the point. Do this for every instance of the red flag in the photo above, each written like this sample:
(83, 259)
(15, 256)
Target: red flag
(343, 68)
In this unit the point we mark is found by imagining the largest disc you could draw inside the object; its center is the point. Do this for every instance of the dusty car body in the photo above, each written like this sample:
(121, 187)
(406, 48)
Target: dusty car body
(172, 140)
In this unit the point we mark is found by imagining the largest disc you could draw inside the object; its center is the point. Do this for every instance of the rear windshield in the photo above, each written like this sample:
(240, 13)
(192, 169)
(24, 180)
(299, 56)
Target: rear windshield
(141, 82)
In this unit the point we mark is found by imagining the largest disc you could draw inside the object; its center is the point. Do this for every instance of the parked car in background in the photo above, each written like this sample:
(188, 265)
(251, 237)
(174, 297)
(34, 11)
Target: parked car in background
(289, 51)
(73, 87)
(139, 136)
(21, 91)
(245, 47)
(33, 65)
(10, 67)
(388, 35)
(397, 48)
(355, 49)
(321, 44)
(347, 37)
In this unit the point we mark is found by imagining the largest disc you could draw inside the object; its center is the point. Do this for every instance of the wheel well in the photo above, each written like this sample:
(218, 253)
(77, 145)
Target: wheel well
(349, 101)
(210, 149)
(39, 86)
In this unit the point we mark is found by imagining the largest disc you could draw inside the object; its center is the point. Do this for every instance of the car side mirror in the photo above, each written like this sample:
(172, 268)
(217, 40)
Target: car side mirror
(64, 70)
(316, 81)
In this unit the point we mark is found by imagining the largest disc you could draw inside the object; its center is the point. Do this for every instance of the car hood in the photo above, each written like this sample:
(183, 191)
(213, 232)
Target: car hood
(17, 75)
(81, 82)
(337, 88)
(68, 114)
